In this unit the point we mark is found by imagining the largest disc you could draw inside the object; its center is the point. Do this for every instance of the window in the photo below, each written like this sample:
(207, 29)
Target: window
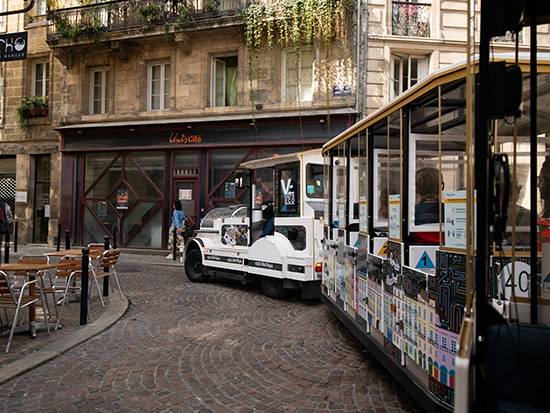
(298, 75)
(406, 71)
(314, 180)
(99, 90)
(41, 7)
(41, 79)
(223, 82)
(444, 343)
(453, 347)
(158, 93)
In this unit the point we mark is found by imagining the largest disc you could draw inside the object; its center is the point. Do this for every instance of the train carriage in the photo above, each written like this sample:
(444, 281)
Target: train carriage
(400, 213)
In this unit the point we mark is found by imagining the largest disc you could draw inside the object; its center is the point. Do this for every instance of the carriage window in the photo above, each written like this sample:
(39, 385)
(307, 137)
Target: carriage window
(354, 181)
(314, 180)
(381, 180)
(341, 182)
(363, 182)
(288, 192)
(263, 186)
(327, 186)
(394, 175)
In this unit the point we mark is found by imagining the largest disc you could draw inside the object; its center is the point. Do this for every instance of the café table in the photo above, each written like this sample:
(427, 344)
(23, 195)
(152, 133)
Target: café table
(31, 269)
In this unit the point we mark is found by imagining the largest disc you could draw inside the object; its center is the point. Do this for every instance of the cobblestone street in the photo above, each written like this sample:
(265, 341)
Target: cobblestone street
(216, 347)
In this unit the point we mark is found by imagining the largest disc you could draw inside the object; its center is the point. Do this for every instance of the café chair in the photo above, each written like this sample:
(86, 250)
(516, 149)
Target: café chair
(18, 300)
(105, 267)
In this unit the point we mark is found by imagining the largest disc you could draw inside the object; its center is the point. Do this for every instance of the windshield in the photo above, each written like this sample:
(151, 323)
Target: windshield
(225, 212)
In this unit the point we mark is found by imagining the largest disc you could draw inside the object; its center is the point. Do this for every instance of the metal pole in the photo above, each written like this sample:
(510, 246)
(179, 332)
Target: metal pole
(481, 180)
(174, 244)
(15, 236)
(114, 235)
(533, 166)
(106, 246)
(58, 236)
(84, 287)
(67, 239)
(7, 247)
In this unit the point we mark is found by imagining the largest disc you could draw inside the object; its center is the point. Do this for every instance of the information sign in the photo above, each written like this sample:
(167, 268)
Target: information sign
(13, 46)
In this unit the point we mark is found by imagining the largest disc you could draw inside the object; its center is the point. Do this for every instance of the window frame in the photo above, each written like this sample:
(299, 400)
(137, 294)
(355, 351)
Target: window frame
(45, 78)
(423, 63)
(213, 60)
(163, 105)
(38, 6)
(104, 88)
(299, 97)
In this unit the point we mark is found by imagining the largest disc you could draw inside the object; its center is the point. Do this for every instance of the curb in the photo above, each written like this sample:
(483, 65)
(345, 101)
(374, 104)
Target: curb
(64, 344)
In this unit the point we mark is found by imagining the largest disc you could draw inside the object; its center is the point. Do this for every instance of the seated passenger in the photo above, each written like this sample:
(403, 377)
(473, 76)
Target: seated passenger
(426, 211)
(269, 219)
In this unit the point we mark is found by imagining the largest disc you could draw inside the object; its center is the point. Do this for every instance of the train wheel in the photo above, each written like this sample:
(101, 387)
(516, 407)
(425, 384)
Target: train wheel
(193, 266)
(272, 287)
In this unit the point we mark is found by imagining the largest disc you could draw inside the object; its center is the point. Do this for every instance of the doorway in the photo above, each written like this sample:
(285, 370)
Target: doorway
(187, 191)
(41, 210)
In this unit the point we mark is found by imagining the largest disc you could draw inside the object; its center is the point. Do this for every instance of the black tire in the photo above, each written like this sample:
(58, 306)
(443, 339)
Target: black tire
(272, 287)
(194, 269)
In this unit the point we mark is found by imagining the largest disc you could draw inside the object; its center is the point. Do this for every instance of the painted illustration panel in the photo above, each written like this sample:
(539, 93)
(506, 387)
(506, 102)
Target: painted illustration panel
(235, 235)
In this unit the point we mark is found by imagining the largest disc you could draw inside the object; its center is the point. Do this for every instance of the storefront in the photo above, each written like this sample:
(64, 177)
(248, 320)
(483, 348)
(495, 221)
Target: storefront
(124, 177)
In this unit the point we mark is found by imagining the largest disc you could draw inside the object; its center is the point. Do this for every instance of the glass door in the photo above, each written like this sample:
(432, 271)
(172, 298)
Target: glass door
(187, 191)
(41, 210)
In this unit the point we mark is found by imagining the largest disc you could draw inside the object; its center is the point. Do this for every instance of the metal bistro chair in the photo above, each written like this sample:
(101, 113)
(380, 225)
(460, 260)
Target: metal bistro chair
(37, 259)
(12, 299)
(72, 269)
(104, 267)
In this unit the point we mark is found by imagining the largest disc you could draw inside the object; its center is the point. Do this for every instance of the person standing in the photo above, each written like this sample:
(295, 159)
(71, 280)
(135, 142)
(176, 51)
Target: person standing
(178, 222)
(6, 218)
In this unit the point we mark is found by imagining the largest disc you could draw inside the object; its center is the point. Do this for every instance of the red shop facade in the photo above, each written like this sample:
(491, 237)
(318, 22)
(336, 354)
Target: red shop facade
(124, 176)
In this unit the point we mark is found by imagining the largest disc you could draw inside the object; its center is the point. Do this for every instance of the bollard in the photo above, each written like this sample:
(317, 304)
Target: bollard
(16, 236)
(7, 248)
(106, 246)
(114, 236)
(58, 236)
(84, 287)
(67, 239)
(174, 244)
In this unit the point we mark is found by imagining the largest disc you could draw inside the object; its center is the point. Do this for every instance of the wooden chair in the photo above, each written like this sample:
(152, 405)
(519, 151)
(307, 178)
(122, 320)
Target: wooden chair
(105, 267)
(12, 299)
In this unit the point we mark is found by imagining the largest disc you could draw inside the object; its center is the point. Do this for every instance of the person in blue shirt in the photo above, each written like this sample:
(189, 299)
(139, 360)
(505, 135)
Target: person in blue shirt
(178, 222)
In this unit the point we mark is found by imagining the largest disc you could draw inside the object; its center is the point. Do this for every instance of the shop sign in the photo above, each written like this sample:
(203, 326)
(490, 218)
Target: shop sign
(341, 90)
(13, 46)
(122, 199)
(183, 139)
(21, 197)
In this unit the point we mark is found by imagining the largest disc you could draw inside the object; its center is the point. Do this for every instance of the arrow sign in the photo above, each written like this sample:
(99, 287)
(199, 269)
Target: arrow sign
(425, 262)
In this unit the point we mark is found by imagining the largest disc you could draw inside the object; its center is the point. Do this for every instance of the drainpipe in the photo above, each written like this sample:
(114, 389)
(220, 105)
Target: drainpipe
(357, 55)
(365, 52)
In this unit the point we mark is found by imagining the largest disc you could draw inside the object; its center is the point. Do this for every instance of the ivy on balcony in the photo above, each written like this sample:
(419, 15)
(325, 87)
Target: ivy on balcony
(94, 20)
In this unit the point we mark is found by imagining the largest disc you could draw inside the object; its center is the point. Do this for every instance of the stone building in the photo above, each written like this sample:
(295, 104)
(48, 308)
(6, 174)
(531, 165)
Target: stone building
(403, 41)
(29, 155)
(156, 101)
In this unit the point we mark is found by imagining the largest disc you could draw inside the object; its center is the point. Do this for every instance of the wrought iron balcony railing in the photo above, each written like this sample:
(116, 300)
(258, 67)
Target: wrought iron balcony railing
(411, 19)
(96, 19)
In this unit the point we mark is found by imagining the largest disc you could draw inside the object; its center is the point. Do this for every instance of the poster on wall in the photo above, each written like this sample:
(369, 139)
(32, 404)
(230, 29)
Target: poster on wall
(455, 218)
(122, 199)
(363, 217)
(394, 223)
(185, 194)
(101, 209)
(229, 190)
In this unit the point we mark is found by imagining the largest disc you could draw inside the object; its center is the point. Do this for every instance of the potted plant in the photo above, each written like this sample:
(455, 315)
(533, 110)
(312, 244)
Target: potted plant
(150, 13)
(33, 107)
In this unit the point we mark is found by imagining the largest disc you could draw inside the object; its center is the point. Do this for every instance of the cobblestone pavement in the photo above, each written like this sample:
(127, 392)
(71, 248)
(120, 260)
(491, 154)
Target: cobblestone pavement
(216, 347)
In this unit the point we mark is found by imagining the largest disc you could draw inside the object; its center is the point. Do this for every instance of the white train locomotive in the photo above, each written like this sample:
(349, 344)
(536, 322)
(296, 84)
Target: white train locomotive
(276, 238)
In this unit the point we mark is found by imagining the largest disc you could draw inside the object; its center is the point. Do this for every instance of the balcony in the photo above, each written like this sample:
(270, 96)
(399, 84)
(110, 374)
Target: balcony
(100, 20)
(411, 19)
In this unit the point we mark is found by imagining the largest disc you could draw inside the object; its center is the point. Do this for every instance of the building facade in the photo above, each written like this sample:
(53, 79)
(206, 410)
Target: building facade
(155, 109)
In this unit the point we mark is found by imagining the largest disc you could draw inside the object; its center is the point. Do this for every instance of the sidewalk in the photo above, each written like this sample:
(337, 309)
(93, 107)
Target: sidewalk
(26, 353)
